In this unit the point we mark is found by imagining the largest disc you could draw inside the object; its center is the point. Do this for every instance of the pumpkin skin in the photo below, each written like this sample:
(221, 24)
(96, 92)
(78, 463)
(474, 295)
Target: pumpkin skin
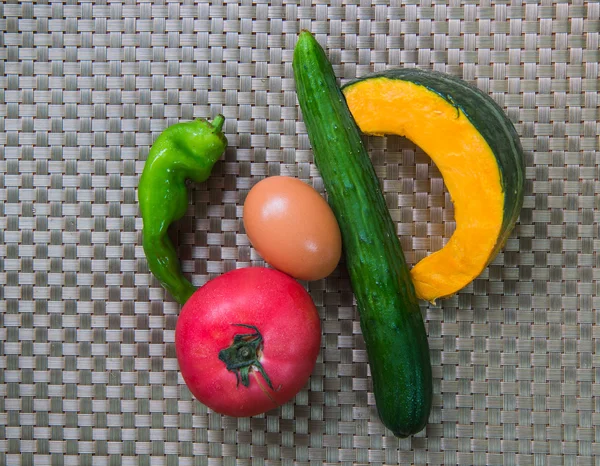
(477, 151)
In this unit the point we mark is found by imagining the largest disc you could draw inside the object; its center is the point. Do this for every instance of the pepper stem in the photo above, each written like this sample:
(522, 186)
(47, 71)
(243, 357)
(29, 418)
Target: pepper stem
(218, 122)
(242, 355)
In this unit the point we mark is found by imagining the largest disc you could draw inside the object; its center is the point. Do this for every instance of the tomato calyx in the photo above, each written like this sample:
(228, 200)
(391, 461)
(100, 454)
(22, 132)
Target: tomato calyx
(242, 356)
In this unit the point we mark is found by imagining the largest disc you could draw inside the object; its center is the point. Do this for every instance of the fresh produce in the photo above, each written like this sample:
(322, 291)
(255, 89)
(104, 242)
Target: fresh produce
(181, 152)
(292, 227)
(247, 341)
(477, 151)
(390, 318)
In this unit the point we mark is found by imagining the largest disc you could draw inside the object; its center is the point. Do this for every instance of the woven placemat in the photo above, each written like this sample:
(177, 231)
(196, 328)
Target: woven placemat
(88, 373)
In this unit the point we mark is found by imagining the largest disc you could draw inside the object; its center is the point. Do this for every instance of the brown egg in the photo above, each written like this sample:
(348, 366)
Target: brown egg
(292, 227)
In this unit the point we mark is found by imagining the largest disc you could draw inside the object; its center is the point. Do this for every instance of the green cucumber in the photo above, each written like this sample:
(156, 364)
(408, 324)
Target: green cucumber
(390, 318)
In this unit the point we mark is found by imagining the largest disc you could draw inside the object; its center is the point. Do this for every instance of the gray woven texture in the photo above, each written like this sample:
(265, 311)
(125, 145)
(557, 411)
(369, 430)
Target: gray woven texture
(88, 373)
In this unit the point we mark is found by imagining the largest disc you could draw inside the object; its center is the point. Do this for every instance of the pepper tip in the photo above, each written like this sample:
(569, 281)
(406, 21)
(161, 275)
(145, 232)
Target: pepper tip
(218, 122)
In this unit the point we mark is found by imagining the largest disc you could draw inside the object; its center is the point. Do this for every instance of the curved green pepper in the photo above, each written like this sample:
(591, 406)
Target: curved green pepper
(181, 152)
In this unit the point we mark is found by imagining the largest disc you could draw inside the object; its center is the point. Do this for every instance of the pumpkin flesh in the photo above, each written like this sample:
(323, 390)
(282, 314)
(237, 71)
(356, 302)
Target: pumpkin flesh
(465, 160)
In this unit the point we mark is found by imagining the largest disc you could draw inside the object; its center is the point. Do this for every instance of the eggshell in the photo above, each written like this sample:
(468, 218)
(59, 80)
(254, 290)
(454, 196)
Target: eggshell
(292, 227)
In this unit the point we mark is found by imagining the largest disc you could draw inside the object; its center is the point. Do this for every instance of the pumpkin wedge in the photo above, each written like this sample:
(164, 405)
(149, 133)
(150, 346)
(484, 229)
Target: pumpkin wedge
(476, 149)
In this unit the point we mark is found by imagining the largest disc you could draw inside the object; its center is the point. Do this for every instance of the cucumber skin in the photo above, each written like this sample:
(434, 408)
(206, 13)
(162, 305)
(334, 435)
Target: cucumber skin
(390, 318)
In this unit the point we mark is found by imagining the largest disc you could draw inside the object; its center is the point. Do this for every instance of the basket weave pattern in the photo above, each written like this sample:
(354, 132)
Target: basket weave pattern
(88, 373)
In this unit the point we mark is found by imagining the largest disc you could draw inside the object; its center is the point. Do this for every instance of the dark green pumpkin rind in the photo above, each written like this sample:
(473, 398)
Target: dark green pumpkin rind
(490, 121)
(390, 317)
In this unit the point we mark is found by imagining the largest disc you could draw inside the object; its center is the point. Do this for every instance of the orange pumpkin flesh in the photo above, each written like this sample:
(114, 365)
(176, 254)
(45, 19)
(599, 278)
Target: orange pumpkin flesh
(466, 162)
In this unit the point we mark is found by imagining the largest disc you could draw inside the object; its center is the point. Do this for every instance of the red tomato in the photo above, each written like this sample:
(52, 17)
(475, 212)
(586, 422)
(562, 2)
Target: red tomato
(247, 341)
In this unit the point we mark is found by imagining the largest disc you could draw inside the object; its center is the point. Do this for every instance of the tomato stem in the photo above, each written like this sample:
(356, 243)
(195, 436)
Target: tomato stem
(242, 355)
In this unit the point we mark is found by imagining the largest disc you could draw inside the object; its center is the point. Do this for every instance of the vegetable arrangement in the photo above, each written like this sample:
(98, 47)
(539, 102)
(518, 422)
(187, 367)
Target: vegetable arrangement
(247, 341)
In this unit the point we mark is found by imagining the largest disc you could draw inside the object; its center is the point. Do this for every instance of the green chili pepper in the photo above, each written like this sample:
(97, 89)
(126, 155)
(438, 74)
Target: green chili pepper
(181, 152)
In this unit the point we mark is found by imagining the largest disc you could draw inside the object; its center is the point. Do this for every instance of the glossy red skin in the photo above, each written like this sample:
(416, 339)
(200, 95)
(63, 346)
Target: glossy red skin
(285, 315)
